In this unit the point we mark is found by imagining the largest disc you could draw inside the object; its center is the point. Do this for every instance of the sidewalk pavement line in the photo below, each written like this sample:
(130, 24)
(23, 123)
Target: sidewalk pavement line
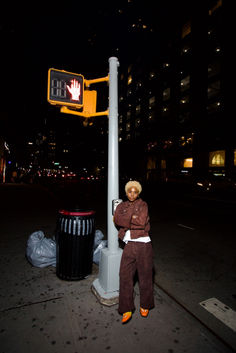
(193, 315)
(29, 304)
(183, 226)
(221, 311)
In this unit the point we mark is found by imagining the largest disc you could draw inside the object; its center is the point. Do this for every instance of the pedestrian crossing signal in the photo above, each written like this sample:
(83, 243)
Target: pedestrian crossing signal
(65, 88)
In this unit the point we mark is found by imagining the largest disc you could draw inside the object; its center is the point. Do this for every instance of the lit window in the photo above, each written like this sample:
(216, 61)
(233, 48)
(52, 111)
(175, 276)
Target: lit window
(217, 158)
(213, 89)
(166, 94)
(166, 65)
(213, 107)
(182, 141)
(188, 163)
(185, 50)
(150, 118)
(215, 7)
(151, 163)
(129, 79)
(214, 68)
(152, 101)
(189, 140)
(128, 127)
(186, 29)
(163, 164)
(185, 83)
(152, 74)
(137, 122)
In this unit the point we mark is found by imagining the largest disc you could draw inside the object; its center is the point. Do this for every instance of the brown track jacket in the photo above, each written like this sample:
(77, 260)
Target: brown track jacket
(140, 226)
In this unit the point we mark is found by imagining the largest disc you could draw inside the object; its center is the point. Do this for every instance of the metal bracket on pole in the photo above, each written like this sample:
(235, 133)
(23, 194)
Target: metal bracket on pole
(96, 80)
(83, 114)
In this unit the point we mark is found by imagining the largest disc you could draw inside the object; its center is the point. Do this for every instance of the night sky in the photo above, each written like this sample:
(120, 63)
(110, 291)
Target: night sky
(73, 37)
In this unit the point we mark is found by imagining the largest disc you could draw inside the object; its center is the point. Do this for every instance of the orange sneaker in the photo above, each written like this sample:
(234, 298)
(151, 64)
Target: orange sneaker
(144, 312)
(126, 317)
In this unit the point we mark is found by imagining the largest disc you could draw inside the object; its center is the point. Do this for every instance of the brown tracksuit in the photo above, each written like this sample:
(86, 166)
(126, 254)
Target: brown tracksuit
(136, 255)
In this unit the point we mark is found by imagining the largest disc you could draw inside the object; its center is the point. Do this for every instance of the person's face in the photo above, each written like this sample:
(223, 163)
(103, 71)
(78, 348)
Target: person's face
(132, 194)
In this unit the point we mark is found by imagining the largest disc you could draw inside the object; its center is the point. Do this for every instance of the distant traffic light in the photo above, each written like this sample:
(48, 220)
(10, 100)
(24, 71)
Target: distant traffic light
(65, 88)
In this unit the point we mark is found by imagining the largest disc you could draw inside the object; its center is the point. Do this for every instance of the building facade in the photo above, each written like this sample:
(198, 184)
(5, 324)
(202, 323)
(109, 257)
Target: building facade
(173, 119)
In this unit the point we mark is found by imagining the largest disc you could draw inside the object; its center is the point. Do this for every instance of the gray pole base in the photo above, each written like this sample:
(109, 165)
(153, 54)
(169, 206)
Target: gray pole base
(106, 287)
(103, 297)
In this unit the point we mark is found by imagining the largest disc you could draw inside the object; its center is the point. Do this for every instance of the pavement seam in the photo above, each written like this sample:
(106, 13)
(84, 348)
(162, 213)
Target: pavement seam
(29, 304)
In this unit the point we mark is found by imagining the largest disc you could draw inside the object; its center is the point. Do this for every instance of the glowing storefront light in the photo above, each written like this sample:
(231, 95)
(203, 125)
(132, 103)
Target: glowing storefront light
(217, 158)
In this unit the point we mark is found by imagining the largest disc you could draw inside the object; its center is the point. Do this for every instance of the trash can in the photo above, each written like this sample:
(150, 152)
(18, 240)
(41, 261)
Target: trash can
(75, 238)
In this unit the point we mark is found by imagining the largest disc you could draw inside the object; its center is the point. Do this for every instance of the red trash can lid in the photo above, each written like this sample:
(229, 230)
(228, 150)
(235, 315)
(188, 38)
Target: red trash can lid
(76, 213)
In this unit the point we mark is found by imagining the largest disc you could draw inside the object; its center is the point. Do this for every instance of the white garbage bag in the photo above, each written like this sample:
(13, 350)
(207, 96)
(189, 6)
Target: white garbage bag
(97, 251)
(97, 238)
(98, 245)
(41, 251)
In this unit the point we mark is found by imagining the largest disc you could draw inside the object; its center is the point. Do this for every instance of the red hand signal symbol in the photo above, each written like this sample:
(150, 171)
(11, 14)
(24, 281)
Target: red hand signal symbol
(74, 90)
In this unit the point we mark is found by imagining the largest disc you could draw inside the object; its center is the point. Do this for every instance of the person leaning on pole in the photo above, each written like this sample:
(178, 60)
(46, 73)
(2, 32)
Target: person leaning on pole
(132, 219)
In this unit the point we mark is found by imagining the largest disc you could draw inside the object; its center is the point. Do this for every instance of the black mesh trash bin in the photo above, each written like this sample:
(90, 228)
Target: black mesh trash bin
(75, 239)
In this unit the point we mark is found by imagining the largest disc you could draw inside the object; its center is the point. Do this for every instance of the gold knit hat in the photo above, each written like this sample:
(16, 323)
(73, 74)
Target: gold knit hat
(133, 183)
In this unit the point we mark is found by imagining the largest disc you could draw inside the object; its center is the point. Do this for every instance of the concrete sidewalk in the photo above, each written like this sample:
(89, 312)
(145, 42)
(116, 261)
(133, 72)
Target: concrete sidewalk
(41, 313)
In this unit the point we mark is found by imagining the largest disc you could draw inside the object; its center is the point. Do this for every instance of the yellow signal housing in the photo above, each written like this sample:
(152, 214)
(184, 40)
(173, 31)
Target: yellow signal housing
(90, 102)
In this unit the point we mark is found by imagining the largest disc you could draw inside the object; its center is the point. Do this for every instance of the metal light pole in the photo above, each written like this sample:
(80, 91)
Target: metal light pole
(107, 285)
(113, 163)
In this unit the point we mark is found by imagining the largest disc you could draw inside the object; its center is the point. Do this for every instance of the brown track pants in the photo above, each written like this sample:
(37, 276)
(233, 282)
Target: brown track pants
(136, 256)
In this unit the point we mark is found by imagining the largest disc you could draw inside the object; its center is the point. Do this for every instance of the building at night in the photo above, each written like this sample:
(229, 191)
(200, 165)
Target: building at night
(172, 104)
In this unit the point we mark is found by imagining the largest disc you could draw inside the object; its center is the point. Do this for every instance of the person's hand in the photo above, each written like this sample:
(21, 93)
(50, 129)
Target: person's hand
(74, 90)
